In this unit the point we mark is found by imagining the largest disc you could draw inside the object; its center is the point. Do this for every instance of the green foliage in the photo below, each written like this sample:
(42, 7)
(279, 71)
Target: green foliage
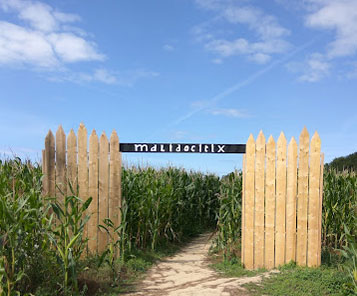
(67, 237)
(229, 216)
(348, 162)
(339, 208)
(350, 265)
(302, 281)
(113, 248)
(28, 239)
(166, 205)
(23, 227)
(233, 268)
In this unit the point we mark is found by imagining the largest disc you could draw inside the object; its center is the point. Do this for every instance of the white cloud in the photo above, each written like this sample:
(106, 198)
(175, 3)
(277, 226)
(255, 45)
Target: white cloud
(103, 75)
(352, 74)
(315, 68)
(43, 39)
(178, 135)
(71, 48)
(125, 78)
(168, 47)
(217, 61)
(269, 33)
(230, 112)
(19, 45)
(339, 16)
(266, 26)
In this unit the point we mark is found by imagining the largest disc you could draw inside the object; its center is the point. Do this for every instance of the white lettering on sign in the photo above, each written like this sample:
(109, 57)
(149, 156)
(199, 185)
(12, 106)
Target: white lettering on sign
(183, 147)
(221, 148)
(142, 147)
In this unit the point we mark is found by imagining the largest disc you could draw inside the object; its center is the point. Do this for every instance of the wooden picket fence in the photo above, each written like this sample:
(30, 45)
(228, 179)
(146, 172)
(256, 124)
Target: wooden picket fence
(282, 202)
(96, 172)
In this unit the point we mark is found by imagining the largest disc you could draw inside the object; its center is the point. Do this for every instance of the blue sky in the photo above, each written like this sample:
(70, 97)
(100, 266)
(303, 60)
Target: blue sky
(200, 71)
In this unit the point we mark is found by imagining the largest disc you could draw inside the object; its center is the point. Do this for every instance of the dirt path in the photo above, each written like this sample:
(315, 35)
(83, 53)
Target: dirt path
(188, 273)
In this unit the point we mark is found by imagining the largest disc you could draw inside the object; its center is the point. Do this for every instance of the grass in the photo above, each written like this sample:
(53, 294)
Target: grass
(302, 281)
(233, 268)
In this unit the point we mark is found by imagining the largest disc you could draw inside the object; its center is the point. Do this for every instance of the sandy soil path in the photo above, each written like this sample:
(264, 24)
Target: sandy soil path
(187, 273)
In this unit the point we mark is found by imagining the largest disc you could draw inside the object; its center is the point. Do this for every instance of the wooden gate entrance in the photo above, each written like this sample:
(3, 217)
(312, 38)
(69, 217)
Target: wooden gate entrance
(282, 193)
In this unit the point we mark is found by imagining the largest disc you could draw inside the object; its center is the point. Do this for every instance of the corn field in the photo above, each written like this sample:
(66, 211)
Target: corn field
(339, 207)
(158, 206)
(166, 205)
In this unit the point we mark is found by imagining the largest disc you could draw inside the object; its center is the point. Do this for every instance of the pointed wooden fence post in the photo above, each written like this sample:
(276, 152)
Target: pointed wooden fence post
(320, 206)
(103, 190)
(83, 168)
(50, 164)
(72, 163)
(248, 247)
(61, 186)
(270, 205)
(314, 201)
(259, 202)
(93, 192)
(114, 181)
(280, 200)
(291, 202)
(302, 202)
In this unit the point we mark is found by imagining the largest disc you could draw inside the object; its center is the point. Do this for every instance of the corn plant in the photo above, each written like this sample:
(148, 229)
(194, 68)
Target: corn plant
(23, 225)
(350, 265)
(229, 215)
(110, 255)
(339, 207)
(166, 205)
(68, 239)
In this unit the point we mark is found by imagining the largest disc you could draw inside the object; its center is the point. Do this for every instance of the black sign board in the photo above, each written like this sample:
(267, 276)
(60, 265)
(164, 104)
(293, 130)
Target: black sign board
(181, 148)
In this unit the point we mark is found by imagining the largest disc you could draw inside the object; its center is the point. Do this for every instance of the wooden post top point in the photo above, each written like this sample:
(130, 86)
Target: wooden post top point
(315, 137)
(304, 133)
(114, 135)
(251, 139)
(270, 140)
(292, 141)
(261, 137)
(282, 138)
(49, 134)
(82, 127)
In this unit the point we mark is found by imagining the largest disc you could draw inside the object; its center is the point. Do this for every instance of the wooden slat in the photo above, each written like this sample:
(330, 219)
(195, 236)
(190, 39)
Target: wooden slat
(301, 244)
(320, 205)
(314, 201)
(93, 192)
(103, 190)
(248, 247)
(270, 204)
(243, 206)
(291, 202)
(72, 163)
(280, 201)
(114, 180)
(44, 179)
(50, 163)
(259, 202)
(83, 167)
(61, 186)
